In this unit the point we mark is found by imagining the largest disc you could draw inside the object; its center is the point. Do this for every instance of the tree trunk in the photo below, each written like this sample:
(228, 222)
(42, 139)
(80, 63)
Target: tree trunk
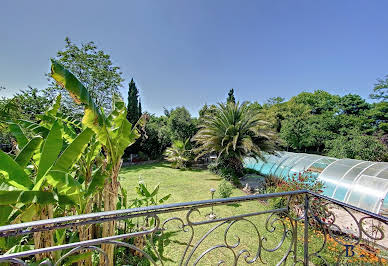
(110, 196)
(86, 231)
(44, 239)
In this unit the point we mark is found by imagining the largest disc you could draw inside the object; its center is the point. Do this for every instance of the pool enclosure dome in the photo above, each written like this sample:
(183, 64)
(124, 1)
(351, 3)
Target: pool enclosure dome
(360, 183)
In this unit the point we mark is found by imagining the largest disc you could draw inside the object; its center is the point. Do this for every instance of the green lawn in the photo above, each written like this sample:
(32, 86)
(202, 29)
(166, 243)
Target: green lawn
(191, 185)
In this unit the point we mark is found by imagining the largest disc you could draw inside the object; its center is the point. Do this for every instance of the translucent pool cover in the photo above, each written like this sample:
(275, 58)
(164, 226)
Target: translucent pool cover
(360, 183)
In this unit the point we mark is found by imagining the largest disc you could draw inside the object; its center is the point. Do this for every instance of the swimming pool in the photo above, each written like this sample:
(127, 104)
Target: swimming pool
(360, 183)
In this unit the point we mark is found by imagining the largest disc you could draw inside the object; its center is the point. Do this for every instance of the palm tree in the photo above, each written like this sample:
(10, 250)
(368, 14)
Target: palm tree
(178, 154)
(234, 131)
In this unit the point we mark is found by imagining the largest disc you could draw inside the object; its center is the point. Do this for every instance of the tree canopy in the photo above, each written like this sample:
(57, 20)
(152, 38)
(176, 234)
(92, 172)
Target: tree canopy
(134, 106)
(231, 98)
(94, 68)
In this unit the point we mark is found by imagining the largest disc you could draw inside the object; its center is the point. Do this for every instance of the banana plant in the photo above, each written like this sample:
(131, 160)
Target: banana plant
(112, 131)
(39, 177)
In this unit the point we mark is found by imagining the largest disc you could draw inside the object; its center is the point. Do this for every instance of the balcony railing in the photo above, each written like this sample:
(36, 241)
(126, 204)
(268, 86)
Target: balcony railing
(306, 227)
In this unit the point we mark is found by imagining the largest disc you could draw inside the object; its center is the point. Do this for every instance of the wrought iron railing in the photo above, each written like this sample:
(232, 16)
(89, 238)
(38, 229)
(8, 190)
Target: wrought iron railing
(305, 228)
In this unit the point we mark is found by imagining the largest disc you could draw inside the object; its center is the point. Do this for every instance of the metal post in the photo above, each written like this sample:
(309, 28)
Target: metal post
(306, 230)
(212, 215)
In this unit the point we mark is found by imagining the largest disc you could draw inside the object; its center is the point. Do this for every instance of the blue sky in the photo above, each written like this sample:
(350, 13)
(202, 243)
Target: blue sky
(192, 52)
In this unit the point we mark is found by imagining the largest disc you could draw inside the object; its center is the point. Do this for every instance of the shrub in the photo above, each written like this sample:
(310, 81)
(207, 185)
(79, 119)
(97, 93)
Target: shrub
(225, 189)
(357, 146)
(178, 154)
(224, 170)
(213, 168)
(143, 156)
(304, 180)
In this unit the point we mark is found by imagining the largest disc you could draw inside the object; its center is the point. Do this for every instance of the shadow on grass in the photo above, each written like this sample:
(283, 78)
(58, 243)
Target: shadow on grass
(236, 205)
(137, 168)
(163, 241)
(214, 179)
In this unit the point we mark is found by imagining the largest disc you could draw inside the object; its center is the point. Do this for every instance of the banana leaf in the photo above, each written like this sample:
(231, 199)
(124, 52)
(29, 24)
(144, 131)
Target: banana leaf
(65, 184)
(77, 91)
(92, 118)
(13, 173)
(17, 132)
(20, 248)
(28, 151)
(34, 127)
(97, 182)
(72, 153)
(51, 148)
(123, 134)
(26, 197)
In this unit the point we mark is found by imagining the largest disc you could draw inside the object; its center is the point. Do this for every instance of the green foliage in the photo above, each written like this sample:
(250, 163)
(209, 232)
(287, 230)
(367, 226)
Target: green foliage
(159, 132)
(315, 122)
(380, 91)
(234, 132)
(320, 101)
(353, 104)
(134, 113)
(379, 115)
(228, 169)
(94, 69)
(231, 98)
(32, 179)
(25, 155)
(297, 133)
(304, 180)
(206, 110)
(256, 106)
(148, 197)
(26, 104)
(114, 132)
(180, 124)
(51, 148)
(13, 174)
(18, 133)
(156, 137)
(276, 111)
(357, 146)
(178, 154)
(73, 151)
(133, 107)
(225, 189)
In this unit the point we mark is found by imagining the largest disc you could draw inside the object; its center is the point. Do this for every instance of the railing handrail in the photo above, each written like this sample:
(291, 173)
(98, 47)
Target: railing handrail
(352, 207)
(98, 217)
(311, 208)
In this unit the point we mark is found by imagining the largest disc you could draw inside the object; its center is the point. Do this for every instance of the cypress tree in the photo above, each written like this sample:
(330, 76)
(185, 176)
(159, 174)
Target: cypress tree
(133, 114)
(139, 109)
(231, 98)
(133, 103)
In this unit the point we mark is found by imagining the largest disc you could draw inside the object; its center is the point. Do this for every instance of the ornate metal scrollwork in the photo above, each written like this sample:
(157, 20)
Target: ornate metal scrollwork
(335, 222)
(284, 226)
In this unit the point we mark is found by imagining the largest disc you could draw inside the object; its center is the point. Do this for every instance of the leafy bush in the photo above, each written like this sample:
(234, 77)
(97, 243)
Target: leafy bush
(357, 146)
(213, 168)
(304, 180)
(145, 197)
(143, 156)
(225, 189)
(180, 123)
(178, 154)
(225, 171)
